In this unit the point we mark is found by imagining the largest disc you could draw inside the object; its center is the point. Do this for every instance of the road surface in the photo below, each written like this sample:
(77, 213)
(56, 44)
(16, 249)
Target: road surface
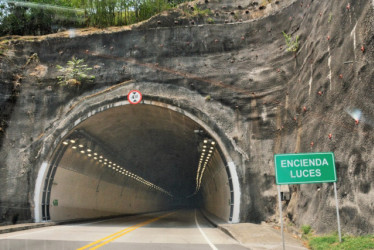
(182, 229)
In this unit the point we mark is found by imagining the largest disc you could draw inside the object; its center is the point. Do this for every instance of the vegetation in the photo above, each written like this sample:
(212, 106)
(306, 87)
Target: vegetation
(3, 48)
(38, 17)
(196, 11)
(306, 229)
(348, 242)
(292, 44)
(210, 20)
(75, 73)
(330, 17)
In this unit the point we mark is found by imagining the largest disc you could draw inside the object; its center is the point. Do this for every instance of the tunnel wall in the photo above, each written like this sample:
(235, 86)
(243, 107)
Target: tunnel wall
(215, 189)
(80, 196)
(83, 190)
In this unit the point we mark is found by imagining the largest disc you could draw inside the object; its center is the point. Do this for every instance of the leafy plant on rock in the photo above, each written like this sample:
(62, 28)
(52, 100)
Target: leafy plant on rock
(75, 73)
(292, 44)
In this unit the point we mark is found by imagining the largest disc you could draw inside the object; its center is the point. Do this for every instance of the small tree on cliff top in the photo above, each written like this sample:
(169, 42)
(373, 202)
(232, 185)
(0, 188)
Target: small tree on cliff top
(75, 73)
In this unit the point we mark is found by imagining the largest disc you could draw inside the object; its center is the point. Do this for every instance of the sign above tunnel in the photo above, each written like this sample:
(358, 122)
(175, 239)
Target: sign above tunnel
(134, 97)
(304, 168)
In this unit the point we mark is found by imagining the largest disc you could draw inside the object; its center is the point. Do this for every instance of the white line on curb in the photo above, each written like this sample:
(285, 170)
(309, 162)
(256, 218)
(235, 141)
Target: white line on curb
(202, 232)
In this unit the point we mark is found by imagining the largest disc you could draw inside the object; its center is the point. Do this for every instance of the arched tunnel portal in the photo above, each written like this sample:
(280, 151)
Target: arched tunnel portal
(120, 158)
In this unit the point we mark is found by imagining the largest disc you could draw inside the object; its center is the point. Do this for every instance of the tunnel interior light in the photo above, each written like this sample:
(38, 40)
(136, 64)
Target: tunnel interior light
(65, 143)
(89, 150)
(95, 153)
(82, 151)
(101, 157)
(74, 147)
(95, 158)
(80, 145)
(89, 155)
(72, 141)
(205, 156)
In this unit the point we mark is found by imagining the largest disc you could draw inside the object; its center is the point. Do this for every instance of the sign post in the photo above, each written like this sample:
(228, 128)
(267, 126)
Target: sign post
(337, 213)
(280, 215)
(303, 169)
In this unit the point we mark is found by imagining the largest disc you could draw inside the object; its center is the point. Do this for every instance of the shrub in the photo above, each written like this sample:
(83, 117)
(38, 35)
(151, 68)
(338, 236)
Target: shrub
(292, 44)
(306, 229)
(74, 73)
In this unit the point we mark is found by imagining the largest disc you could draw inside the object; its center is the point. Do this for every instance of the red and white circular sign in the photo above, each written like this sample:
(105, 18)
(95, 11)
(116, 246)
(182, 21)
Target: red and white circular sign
(134, 96)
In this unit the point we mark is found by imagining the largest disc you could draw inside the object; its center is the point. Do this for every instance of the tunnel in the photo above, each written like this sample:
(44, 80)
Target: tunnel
(129, 159)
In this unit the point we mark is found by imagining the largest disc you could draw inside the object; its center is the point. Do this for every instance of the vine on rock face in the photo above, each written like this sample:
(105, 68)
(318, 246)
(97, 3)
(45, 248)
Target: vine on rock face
(292, 44)
(75, 73)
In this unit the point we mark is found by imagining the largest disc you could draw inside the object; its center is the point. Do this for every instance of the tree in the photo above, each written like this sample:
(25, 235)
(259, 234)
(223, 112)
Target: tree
(75, 73)
(39, 17)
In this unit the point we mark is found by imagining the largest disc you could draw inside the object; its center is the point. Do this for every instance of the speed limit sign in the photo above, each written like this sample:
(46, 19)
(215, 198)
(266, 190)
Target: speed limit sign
(134, 96)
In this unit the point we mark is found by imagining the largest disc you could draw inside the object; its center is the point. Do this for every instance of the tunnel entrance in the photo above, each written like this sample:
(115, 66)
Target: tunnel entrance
(127, 159)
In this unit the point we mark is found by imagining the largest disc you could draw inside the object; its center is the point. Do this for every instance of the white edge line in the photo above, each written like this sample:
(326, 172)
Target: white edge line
(202, 232)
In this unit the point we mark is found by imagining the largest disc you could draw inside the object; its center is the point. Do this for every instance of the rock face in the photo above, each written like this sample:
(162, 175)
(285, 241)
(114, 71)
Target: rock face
(318, 99)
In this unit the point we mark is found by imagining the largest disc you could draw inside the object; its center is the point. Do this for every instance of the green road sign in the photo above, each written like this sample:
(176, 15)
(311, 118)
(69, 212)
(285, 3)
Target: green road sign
(304, 168)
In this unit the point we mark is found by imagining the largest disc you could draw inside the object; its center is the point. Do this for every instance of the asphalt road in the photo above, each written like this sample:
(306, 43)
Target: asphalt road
(183, 229)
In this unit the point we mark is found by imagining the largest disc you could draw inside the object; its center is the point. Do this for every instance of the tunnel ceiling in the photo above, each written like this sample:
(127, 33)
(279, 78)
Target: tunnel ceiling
(156, 143)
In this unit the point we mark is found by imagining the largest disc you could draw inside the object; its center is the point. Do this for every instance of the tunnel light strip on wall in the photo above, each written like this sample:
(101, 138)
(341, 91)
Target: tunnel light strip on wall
(205, 156)
(105, 161)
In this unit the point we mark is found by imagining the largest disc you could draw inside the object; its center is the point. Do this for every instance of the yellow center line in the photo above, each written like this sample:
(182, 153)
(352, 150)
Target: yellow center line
(118, 234)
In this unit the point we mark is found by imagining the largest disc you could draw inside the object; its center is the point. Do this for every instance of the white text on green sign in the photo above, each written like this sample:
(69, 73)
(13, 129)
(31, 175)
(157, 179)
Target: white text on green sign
(304, 168)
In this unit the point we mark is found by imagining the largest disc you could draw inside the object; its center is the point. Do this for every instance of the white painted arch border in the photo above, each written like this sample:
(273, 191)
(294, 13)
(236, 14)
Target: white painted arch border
(38, 192)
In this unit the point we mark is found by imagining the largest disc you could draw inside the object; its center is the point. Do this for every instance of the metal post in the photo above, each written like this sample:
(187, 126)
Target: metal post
(280, 216)
(337, 213)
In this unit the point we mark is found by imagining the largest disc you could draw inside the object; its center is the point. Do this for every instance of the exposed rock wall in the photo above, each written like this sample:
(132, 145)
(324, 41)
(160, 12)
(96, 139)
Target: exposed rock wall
(284, 102)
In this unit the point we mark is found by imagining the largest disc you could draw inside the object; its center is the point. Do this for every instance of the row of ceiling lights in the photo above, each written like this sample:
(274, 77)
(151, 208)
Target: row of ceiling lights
(205, 156)
(104, 162)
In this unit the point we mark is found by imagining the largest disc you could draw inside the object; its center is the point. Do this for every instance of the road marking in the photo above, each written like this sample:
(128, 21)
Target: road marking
(202, 232)
(50, 228)
(110, 238)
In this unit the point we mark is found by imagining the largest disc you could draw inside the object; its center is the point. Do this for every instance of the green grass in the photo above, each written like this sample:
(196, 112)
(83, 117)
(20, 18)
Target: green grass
(306, 229)
(348, 242)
